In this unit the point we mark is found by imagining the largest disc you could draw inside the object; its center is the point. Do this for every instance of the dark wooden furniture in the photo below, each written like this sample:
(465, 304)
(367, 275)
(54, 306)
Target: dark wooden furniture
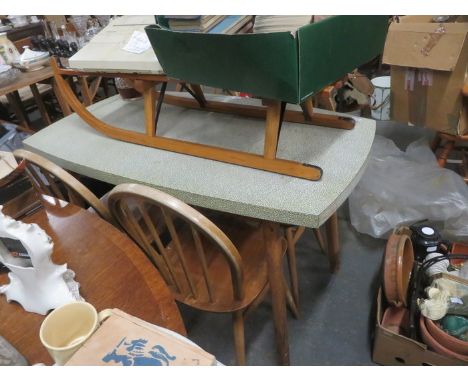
(17, 194)
(443, 144)
(25, 31)
(111, 269)
(31, 79)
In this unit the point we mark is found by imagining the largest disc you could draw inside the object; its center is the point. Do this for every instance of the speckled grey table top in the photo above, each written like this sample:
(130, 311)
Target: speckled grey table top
(342, 154)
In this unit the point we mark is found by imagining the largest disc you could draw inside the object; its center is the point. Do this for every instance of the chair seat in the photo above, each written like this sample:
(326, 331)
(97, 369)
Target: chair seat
(248, 239)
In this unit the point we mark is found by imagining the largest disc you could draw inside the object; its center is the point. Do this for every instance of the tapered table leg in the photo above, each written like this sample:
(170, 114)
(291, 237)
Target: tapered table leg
(15, 102)
(333, 242)
(40, 104)
(273, 246)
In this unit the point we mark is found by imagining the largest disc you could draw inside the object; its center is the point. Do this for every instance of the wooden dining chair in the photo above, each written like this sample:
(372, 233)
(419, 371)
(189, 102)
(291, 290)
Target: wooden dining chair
(444, 144)
(208, 267)
(292, 236)
(52, 180)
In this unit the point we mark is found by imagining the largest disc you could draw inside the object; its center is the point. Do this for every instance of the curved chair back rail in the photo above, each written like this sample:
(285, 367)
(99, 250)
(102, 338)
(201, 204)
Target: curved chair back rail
(279, 65)
(147, 215)
(12, 176)
(50, 179)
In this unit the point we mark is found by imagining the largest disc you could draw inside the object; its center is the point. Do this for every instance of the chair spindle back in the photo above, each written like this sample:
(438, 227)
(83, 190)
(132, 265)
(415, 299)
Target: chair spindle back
(167, 229)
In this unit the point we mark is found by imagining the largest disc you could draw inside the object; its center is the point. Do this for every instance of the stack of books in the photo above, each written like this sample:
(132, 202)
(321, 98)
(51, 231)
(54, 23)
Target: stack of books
(233, 25)
(198, 23)
(266, 24)
(211, 24)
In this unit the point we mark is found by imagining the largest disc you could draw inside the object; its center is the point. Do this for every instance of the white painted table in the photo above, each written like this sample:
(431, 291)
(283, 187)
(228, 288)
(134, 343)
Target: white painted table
(104, 52)
(274, 198)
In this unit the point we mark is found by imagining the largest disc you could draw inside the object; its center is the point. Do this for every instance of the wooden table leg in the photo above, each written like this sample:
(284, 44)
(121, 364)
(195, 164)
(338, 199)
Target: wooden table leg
(272, 237)
(319, 237)
(14, 100)
(444, 153)
(333, 241)
(40, 104)
(464, 166)
(61, 100)
(85, 92)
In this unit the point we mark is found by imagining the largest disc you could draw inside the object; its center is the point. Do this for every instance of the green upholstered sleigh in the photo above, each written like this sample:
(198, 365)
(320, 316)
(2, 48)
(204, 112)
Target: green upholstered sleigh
(279, 67)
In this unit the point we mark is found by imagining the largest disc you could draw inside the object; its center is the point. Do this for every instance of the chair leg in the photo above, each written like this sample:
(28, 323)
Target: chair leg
(293, 308)
(320, 240)
(291, 255)
(239, 338)
(292, 236)
(255, 303)
(444, 153)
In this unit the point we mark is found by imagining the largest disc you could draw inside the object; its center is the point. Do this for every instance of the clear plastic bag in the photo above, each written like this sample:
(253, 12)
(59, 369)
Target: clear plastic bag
(11, 139)
(406, 187)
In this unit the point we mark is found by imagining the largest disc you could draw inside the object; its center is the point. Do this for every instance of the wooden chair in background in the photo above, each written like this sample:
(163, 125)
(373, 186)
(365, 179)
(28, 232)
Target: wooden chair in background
(206, 268)
(22, 42)
(444, 144)
(16, 193)
(52, 180)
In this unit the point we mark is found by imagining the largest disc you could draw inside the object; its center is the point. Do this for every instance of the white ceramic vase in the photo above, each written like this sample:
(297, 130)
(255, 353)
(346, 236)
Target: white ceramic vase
(44, 285)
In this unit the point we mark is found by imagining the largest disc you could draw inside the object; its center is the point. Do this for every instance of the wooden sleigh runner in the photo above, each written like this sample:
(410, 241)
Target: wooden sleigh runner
(211, 63)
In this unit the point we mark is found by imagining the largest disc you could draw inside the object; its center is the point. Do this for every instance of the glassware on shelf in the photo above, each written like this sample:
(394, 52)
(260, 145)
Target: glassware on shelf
(91, 32)
(53, 30)
(69, 36)
(81, 24)
(103, 20)
(46, 28)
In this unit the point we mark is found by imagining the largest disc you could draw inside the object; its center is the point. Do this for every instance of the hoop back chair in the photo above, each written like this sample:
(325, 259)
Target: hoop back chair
(49, 179)
(198, 261)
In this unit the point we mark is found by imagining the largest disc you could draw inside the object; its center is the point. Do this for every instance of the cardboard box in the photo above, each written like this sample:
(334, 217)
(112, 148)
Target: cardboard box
(125, 340)
(429, 63)
(275, 65)
(392, 349)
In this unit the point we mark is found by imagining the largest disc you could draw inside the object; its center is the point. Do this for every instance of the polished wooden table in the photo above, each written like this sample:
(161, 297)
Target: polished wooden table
(112, 271)
(31, 79)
